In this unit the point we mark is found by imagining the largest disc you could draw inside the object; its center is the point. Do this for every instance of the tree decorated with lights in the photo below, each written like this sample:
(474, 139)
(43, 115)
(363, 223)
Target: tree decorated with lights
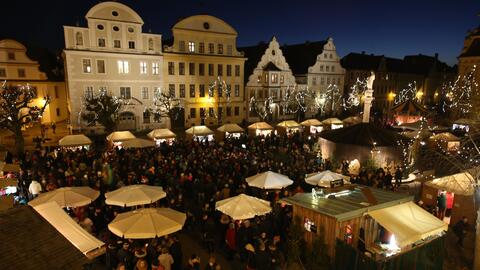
(355, 96)
(458, 94)
(101, 109)
(333, 99)
(17, 111)
(263, 109)
(165, 105)
(406, 94)
(298, 100)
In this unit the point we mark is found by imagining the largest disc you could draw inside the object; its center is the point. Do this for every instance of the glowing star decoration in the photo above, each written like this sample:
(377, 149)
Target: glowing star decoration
(406, 94)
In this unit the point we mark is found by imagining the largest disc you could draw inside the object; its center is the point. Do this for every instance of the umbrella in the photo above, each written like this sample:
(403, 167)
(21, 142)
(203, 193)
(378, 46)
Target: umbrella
(269, 180)
(134, 195)
(461, 183)
(120, 136)
(323, 178)
(243, 207)
(147, 223)
(138, 143)
(67, 197)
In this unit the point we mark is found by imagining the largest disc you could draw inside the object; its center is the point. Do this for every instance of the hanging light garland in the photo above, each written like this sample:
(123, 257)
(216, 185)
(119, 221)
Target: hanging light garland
(459, 92)
(406, 94)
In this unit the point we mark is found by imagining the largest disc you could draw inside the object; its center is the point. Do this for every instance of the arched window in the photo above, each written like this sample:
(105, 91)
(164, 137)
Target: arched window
(79, 39)
(150, 44)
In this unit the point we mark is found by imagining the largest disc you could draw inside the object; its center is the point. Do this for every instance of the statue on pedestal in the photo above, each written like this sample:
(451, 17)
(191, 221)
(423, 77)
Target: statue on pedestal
(368, 98)
(370, 80)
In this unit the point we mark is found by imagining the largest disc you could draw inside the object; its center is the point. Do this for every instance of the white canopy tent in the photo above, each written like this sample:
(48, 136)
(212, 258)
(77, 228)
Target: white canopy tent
(243, 207)
(138, 143)
(120, 136)
(408, 222)
(324, 178)
(161, 133)
(200, 131)
(147, 223)
(313, 124)
(333, 123)
(461, 183)
(67, 197)
(269, 180)
(74, 141)
(64, 224)
(260, 128)
(134, 195)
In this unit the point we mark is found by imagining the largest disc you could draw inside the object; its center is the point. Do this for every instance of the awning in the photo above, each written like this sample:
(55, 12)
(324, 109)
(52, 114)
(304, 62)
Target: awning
(408, 222)
(74, 140)
(80, 238)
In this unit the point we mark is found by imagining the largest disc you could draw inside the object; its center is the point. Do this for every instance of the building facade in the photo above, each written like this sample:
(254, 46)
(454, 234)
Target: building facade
(470, 57)
(112, 54)
(18, 69)
(203, 68)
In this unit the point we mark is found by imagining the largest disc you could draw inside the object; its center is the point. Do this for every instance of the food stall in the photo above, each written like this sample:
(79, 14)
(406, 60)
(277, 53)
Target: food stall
(75, 142)
(116, 138)
(229, 131)
(288, 126)
(260, 129)
(201, 133)
(312, 125)
(161, 135)
(332, 123)
(446, 140)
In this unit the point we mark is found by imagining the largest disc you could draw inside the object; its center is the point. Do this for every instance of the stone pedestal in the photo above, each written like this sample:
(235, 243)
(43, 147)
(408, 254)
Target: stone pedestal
(367, 105)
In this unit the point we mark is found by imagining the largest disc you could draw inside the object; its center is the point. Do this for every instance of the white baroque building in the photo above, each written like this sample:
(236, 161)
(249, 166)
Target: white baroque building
(113, 54)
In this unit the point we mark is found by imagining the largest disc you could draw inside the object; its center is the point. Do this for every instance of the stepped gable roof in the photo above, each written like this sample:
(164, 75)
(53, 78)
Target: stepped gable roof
(363, 134)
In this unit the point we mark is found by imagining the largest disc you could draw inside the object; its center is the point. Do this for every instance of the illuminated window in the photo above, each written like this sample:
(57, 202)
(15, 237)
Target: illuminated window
(274, 78)
(143, 68)
(87, 66)
(123, 67)
(237, 90)
(191, 46)
(101, 66)
(155, 68)
(144, 92)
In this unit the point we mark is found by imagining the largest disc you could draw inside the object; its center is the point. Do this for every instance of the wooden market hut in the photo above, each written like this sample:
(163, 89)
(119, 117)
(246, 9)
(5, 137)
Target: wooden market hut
(260, 129)
(445, 140)
(312, 125)
(332, 123)
(288, 126)
(356, 214)
(229, 130)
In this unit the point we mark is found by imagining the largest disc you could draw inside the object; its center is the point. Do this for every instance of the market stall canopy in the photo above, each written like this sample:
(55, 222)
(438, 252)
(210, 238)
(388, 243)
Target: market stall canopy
(461, 183)
(147, 223)
(9, 167)
(364, 134)
(332, 121)
(288, 124)
(465, 121)
(311, 122)
(410, 107)
(120, 136)
(352, 120)
(138, 143)
(67, 197)
(243, 207)
(324, 178)
(417, 134)
(231, 128)
(199, 131)
(58, 218)
(134, 195)
(8, 182)
(408, 222)
(30, 242)
(269, 180)
(260, 125)
(161, 133)
(74, 140)
(445, 136)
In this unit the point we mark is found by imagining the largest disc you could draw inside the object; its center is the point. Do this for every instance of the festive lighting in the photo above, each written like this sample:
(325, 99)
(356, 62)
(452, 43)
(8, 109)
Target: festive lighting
(406, 94)
(356, 94)
(458, 93)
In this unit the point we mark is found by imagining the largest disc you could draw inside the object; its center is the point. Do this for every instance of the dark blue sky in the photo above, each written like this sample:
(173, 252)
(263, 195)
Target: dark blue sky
(391, 27)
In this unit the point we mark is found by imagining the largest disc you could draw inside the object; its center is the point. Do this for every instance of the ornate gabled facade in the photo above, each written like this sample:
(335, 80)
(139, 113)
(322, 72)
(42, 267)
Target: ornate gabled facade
(17, 69)
(199, 67)
(272, 77)
(113, 54)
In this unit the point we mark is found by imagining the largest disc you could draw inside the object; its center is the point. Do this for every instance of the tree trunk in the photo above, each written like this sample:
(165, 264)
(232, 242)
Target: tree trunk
(19, 142)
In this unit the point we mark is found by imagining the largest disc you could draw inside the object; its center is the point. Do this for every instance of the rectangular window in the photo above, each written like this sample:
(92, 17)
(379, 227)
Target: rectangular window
(146, 117)
(211, 48)
(220, 112)
(229, 111)
(191, 46)
(237, 111)
(210, 70)
(191, 68)
(171, 90)
(220, 91)
(333, 68)
(321, 68)
(282, 80)
(274, 78)
(237, 70)
(123, 67)
(87, 66)
(274, 93)
(116, 43)
(101, 42)
(182, 90)
(155, 68)
(229, 70)
(193, 113)
(211, 112)
(229, 49)
(322, 80)
(143, 68)
(101, 66)
(192, 90)
(181, 46)
(327, 68)
(202, 113)
(201, 69)
(21, 73)
(202, 90)
(3, 72)
(11, 55)
(144, 92)
(181, 68)
(55, 90)
(220, 48)
(58, 111)
(131, 44)
(220, 70)
(314, 81)
(237, 90)
(88, 92)
(171, 68)
(201, 47)
(125, 93)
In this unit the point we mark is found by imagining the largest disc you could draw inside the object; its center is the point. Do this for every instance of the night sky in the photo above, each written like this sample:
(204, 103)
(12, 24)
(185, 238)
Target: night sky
(393, 28)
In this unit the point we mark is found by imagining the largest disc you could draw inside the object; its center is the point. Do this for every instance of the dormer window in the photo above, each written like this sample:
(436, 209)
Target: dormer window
(274, 78)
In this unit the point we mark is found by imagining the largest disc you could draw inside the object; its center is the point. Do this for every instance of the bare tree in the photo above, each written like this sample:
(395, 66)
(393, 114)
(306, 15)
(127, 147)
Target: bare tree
(17, 110)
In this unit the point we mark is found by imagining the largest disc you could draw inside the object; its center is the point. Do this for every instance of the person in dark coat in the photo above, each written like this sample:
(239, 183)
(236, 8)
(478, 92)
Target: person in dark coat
(263, 259)
(125, 256)
(460, 230)
(176, 252)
